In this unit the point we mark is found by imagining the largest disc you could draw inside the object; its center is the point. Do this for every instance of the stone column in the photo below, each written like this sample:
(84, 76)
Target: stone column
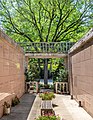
(63, 87)
(37, 87)
(46, 71)
(26, 68)
(67, 88)
(56, 87)
(70, 79)
(26, 62)
(66, 62)
(60, 86)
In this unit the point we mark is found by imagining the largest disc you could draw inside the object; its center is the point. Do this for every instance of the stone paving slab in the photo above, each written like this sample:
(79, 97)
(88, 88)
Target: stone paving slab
(66, 108)
(21, 111)
(35, 110)
(69, 109)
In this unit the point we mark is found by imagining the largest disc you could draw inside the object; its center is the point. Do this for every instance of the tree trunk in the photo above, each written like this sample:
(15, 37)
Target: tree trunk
(45, 71)
(39, 68)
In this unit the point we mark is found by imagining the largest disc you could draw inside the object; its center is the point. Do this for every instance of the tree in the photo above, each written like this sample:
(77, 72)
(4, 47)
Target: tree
(46, 20)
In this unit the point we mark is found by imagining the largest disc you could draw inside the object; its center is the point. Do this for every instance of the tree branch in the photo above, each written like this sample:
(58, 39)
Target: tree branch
(35, 21)
(50, 23)
(13, 25)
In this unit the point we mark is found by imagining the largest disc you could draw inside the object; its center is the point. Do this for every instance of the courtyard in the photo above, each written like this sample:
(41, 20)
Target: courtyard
(66, 108)
(46, 60)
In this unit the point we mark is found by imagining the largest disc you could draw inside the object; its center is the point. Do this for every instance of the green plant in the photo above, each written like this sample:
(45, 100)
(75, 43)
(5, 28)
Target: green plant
(63, 75)
(46, 86)
(27, 75)
(15, 101)
(7, 105)
(48, 118)
(7, 108)
(47, 96)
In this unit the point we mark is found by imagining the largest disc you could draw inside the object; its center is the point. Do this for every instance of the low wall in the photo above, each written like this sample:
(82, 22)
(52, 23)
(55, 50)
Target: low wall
(11, 67)
(81, 76)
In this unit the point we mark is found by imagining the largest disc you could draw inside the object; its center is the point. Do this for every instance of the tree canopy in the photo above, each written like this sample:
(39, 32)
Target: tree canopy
(46, 20)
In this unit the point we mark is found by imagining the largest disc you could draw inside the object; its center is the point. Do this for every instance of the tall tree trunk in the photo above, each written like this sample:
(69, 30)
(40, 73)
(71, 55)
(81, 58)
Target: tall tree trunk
(45, 71)
(39, 67)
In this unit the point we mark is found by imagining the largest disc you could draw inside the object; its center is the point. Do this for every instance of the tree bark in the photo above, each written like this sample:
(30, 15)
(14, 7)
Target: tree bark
(45, 71)
(39, 67)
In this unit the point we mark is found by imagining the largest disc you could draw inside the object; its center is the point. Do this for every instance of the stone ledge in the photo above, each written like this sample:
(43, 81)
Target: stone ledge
(82, 41)
(9, 40)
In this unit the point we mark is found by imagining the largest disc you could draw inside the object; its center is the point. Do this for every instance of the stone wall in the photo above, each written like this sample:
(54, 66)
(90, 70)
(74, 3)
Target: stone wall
(11, 67)
(82, 75)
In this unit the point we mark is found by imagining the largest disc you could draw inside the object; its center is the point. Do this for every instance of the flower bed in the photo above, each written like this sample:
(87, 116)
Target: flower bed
(47, 95)
(48, 118)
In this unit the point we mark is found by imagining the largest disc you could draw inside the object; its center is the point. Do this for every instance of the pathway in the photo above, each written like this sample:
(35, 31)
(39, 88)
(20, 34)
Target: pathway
(35, 110)
(68, 109)
(21, 111)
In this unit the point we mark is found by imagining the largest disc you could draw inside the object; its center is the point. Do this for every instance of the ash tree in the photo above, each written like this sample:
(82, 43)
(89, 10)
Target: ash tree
(46, 20)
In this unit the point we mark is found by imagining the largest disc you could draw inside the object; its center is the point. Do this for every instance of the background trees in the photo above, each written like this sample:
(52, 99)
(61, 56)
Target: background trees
(46, 20)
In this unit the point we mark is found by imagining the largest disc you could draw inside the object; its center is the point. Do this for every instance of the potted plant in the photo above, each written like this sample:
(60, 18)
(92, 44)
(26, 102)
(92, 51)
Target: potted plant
(15, 101)
(7, 108)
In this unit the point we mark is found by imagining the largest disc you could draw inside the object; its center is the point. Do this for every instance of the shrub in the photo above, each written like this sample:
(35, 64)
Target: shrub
(47, 96)
(15, 101)
(7, 105)
(48, 118)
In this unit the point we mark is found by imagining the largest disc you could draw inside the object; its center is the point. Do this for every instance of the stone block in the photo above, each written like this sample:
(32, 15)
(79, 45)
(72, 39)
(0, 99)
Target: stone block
(87, 53)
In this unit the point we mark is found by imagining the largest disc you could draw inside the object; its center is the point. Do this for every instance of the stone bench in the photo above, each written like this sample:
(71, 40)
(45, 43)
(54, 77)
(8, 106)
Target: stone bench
(46, 107)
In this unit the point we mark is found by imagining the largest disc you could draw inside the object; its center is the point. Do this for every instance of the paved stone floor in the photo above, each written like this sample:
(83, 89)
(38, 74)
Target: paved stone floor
(21, 111)
(35, 110)
(68, 109)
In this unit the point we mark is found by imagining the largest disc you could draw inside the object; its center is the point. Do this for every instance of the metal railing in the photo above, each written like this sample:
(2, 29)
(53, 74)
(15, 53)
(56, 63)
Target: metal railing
(46, 47)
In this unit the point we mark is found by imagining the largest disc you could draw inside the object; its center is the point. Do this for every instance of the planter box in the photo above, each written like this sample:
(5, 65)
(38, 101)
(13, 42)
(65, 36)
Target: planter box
(7, 111)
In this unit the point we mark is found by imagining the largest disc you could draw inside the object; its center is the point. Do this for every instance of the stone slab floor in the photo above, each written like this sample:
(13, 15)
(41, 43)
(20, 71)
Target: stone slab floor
(21, 111)
(66, 108)
(29, 109)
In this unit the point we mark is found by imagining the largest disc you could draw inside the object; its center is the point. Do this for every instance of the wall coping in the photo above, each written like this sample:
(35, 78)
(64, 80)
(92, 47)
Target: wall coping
(82, 41)
(11, 41)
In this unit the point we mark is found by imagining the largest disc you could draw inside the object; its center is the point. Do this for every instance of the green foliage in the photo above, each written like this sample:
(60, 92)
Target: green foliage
(63, 75)
(47, 96)
(6, 105)
(57, 71)
(48, 118)
(15, 101)
(32, 73)
(45, 20)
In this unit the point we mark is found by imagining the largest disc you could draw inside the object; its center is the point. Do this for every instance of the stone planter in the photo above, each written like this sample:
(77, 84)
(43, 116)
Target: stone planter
(7, 111)
(7, 108)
